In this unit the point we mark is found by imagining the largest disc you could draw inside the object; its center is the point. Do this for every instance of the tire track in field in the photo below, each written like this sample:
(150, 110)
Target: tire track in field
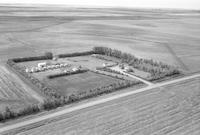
(181, 63)
(33, 29)
(12, 39)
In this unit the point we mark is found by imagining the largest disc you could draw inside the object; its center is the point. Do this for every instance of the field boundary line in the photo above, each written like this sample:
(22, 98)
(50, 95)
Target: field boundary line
(181, 63)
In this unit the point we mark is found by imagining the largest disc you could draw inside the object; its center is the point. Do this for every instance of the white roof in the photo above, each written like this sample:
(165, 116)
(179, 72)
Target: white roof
(40, 64)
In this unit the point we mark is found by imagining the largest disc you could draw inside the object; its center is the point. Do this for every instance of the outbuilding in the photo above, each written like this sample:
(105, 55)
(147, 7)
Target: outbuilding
(74, 69)
(27, 70)
(105, 64)
(42, 64)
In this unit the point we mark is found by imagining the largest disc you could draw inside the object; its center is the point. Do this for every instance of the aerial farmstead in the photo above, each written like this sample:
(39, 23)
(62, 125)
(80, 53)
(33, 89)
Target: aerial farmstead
(68, 78)
(66, 70)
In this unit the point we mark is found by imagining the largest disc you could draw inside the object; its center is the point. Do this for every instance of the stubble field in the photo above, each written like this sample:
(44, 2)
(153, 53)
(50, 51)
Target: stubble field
(169, 110)
(14, 93)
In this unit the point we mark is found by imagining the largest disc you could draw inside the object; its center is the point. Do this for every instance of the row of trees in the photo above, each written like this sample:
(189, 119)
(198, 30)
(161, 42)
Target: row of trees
(32, 109)
(105, 89)
(46, 56)
(75, 54)
(67, 73)
(158, 70)
(11, 114)
(54, 103)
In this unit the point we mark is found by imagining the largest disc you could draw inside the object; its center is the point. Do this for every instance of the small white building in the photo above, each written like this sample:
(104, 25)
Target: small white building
(42, 64)
(55, 58)
(128, 69)
(32, 70)
(105, 64)
(93, 55)
(27, 70)
(74, 69)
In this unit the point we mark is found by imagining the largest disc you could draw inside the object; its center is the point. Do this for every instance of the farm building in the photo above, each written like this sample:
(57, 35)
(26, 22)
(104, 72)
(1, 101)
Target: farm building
(42, 64)
(32, 70)
(27, 70)
(128, 69)
(75, 69)
(105, 64)
(55, 58)
(93, 55)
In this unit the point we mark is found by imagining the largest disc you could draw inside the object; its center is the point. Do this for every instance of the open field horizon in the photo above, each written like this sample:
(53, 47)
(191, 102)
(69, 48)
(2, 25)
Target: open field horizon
(170, 36)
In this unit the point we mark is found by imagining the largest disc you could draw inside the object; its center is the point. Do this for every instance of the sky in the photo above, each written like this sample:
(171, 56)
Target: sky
(180, 4)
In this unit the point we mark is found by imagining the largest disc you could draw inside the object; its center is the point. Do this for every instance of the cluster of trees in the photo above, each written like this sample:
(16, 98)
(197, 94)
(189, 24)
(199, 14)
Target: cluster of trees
(10, 114)
(67, 73)
(102, 58)
(108, 51)
(157, 70)
(75, 54)
(48, 55)
(32, 109)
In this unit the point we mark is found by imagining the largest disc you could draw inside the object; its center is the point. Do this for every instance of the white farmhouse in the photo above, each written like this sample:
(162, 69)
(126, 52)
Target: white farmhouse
(42, 64)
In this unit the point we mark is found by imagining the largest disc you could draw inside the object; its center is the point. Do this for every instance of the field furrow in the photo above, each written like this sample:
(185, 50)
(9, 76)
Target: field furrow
(168, 110)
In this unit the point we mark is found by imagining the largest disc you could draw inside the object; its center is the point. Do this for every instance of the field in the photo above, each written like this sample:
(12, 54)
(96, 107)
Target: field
(80, 82)
(167, 35)
(169, 110)
(14, 93)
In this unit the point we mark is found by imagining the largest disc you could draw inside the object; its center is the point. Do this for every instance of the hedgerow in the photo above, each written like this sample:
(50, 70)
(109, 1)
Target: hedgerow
(158, 70)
